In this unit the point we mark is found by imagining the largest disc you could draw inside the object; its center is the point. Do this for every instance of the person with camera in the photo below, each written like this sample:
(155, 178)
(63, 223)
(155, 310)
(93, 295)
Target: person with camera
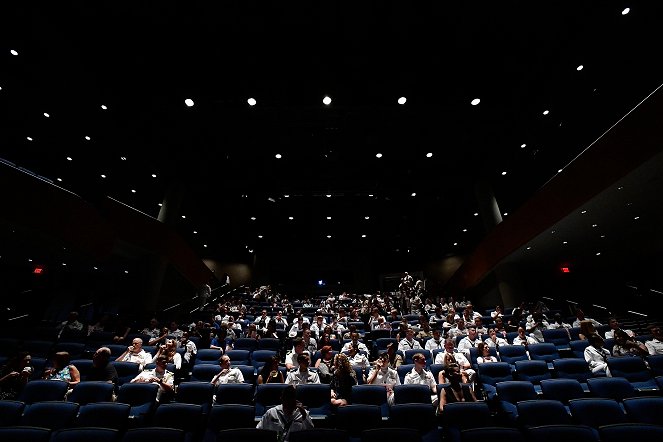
(382, 374)
(169, 350)
(136, 354)
(160, 376)
(14, 375)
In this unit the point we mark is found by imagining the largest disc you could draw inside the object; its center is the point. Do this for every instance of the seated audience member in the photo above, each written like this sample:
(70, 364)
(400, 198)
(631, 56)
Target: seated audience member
(523, 339)
(456, 391)
(395, 359)
(121, 330)
(227, 375)
(302, 374)
(190, 351)
(135, 353)
(160, 338)
(318, 326)
(500, 327)
(587, 329)
(409, 343)
(535, 326)
(354, 339)
(498, 312)
(459, 330)
(484, 354)
(297, 327)
(102, 369)
(382, 374)
(471, 340)
(557, 322)
(153, 330)
(287, 417)
(298, 348)
(478, 324)
(356, 358)
(160, 376)
(253, 332)
(220, 341)
(14, 375)
(269, 373)
(436, 342)
(325, 364)
(437, 319)
(71, 328)
(279, 321)
(419, 375)
(169, 349)
(597, 356)
(627, 346)
(62, 370)
(614, 326)
(655, 345)
(580, 316)
(450, 355)
(494, 339)
(311, 343)
(342, 380)
(174, 330)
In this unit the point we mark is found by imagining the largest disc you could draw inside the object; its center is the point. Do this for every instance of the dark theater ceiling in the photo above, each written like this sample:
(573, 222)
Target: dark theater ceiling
(506, 93)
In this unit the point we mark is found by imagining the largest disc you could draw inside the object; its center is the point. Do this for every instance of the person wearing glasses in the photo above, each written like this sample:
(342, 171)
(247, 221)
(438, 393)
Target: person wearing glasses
(136, 354)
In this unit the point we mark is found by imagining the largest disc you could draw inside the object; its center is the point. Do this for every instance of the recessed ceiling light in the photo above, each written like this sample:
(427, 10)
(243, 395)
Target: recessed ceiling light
(250, 250)
(584, 211)
(363, 236)
(402, 100)
(546, 112)
(328, 236)
(565, 242)
(602, 236)
(183, 216)
(464, 230)
(378, 155)
(253, 218)
(29, 259)
(552, 232)
(96, 268)
(13, 52)
(104, 176)
(429, 154)
(104, 107)
(291, 218)
(594, 225)
(64, 263)
(29, 138)
(579, 68)
(504, 173)
(637, 217)
(126, 271)
(123, 158)
(134, 191)
(188, 102)
(47, 115)
(529, 248)
(87, 138)
(620, 187)
(414, 193)
(286, 196)
(367, 217)
(326, 100)
(455, 243)
(259, 236)
(559, 170)
(59, 179)
(251, 101)
(505, 213)
(195, 232)
(328, 195)
(475, 101)
(205, 245)
(476, 213)
(524, 145)
(329, 217)
(70, 159)
(624, 12)
(598, 253)
(154, 175)
(278, 156)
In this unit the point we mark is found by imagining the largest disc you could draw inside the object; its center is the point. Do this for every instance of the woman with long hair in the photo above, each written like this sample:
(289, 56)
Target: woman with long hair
(62, 370)
(343, 378)
(14, 375)
(269, 373)
(456, 391)
(325, 364)
(169, 350)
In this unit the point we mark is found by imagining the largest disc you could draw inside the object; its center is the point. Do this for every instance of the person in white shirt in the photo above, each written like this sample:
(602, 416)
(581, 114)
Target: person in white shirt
(297, 326)
(299, 347)
(557, 322)
(450, 354)
(382, 374)
(597, 356)
(354, 339)
(484, 354)
(469, 314)
(469, 341)
(419, 375)
(438, 318)
(655, 345)
(409, 343)
(287, 417)
(318, 326)
(373, 321)
(523, 339)
(279, 319)
(135, 353)
(303, 374)
(478, 324)
(458, 330)
(227, 375)
(495, 340)
(436, 342)
(614, 326)
(356, 358)
(580, 316)
(535, 326)
(158, 375)
(262, 320)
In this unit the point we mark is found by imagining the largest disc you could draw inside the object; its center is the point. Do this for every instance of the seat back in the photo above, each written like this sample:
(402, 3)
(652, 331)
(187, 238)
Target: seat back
(410, 353)
(316, 398)
(84, 366)
(644, 409)
(412, 393)
(92, 391)
(259, 357)
(267, 396)
(239, 357)
(633, 369)
(10, 412)
(612, 388)
(50, 414)
(545, 351)
(404, 369)
(419, 417)
(141, 397)
(596, 412)
(208, 356)
(25, 433)
(356, 418)
(228, 416)
(393, 433)
(161, 434)
(562, 390)
(269, 344)
(655, 363)
(458, 416)
(235, 394)
(495, 433)
(513, 353)
(104, 414)
(578, 347)
(126, 371)
(370, 394)
(556, 433)
(533, 371)
(249, 344)
(204, 372)
(186, 417)
(495, 372)
(515, 391)
(630, 431)
(86, 434)
(559, 337)
(197, 393)
(247, 434)
(41, 390)
(319, 435)
(533, 413)
(572, 368)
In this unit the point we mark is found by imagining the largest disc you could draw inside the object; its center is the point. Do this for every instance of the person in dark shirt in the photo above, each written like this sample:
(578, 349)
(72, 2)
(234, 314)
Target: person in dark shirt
(102, 369)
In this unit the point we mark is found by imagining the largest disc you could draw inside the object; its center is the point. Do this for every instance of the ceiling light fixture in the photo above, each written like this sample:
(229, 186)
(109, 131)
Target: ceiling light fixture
(13, 52)
(464, 230)
(505, 213)
(183, 216)
(475, 101)
(291, 218)
(286, 196)
(378, 155)
(188, 102)
(87, 138)
(29, 138)
(104, 176)
(205, 245)
(363, 236)
(624, 12)
(504, 173)
(584, 211)
(253, 218)
(46, 115)
(104, 107)
(402, 100)
(579, 68)
(259, 236)
(326, 101)
(429, 154)
(123, 158)
(529, 248)
(251, 101)
(594, 225)
(476, 213)
(546, 112)
(328, 195)
(328, 236)
(367, 217)
(329, 217)
(637, 217)
(134, 191)
(59, 180)
(70, 159)
(522, 146)
(598, 253)
(455, 243)
(154, 175)
(278, 156)
(559, 170)
(414, 193)
(195, 232)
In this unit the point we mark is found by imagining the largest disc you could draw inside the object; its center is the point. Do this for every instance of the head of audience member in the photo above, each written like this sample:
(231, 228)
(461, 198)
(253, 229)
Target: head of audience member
(303, 361)
(136, 345)
(101, 357)
(613, 323)
(326, 353)
(449, 345)
(483, 350)
(580, 315)
(288, 399)
(472, 332)
(595, 341)
(154, 324)
(173, 326)
(61, 359)
(299, 345)
(342, 363)
(460, 324)
(656, 332)
(419, 361)
(452, 372)
(587, 328)
(354, 336)
(224, 362)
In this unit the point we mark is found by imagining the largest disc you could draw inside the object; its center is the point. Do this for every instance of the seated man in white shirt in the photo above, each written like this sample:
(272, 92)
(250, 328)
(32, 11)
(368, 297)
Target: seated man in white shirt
(597, 356)
(356, 358)
(299, 347)
(655, 345)
(459, 329)
(302, 374)
(354, 339)
(287, 417)
(135, 353)
(614, 326)
(449, 352)
(523, 339)
(382, 374)
(558, 322)
(409, 343)
(494, 339)
(471, 340)
(436, 342)
(227, 375)
(158, 375)
(580, 316)
(419, 375)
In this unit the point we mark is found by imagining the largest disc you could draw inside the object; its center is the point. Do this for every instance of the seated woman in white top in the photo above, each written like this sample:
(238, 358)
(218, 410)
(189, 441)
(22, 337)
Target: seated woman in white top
(522, 339)
(494, 339)
(484, 354)
(382, 374)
